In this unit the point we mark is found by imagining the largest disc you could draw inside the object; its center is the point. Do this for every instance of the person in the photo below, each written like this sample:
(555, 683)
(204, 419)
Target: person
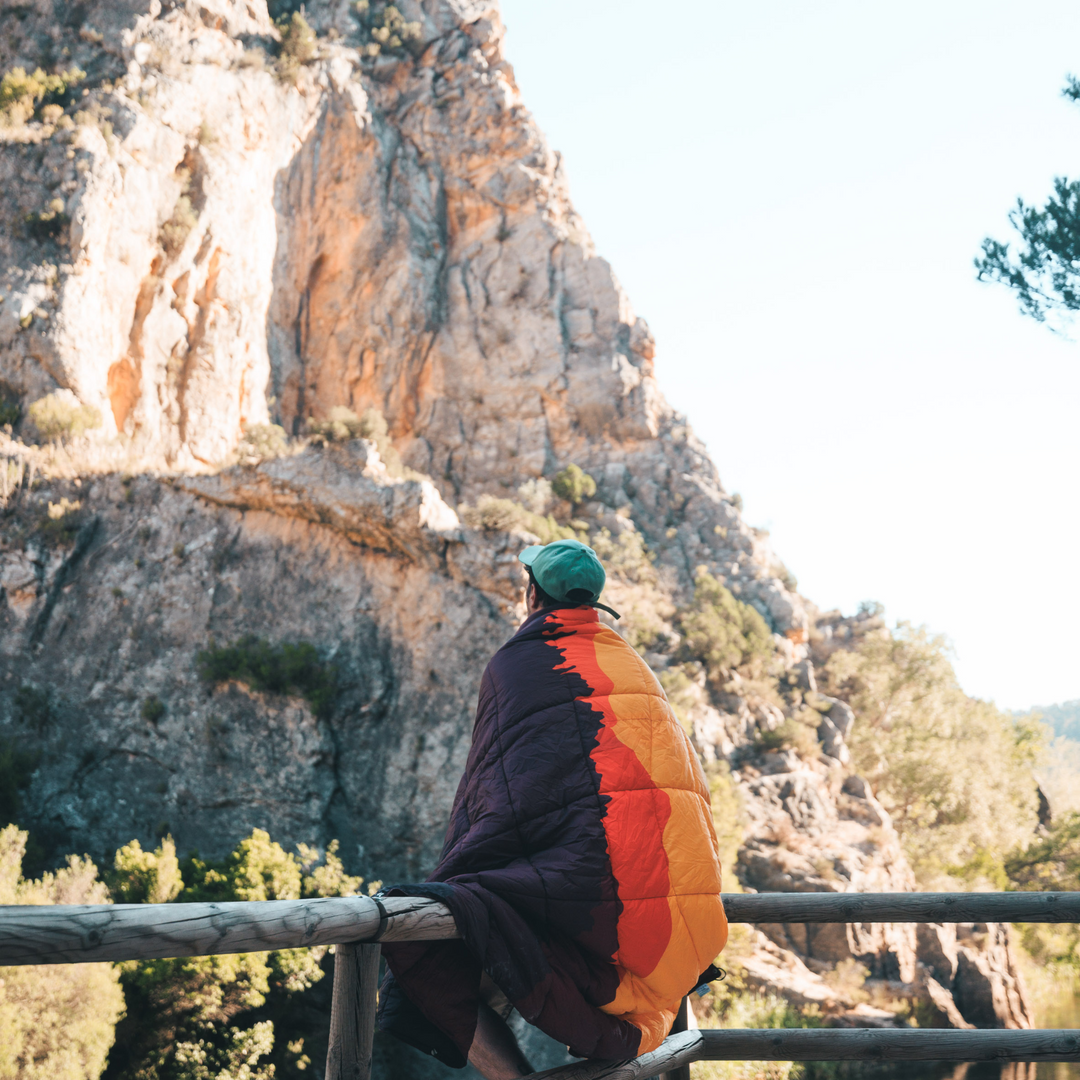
(580, 864)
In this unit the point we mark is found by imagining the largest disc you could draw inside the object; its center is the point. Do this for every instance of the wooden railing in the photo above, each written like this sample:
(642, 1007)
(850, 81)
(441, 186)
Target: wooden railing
(355, 926)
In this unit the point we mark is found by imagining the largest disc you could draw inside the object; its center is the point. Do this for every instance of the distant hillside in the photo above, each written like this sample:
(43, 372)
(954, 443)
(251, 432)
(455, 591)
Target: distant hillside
(1059, 775)
(1063, 718)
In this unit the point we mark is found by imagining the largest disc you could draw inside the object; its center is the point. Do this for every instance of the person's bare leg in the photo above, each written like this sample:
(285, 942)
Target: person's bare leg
(495, 1053)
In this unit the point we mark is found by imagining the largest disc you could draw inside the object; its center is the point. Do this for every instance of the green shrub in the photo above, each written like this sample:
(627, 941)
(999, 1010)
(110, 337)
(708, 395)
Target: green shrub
(153, 709)
(573, 484)
(33, 707)
(16, 768)
(57, 1021)
(729, 818)
(22, 94)
(535, 495)
(954, 772)
(724, 634)
(199, 1017)
(146, 877)
(174, 232)
(298, 45)
(235, 1055)
(48, 224)
(261, 441)
(504, 515)
(792, 734)
(633, 587)
(1050, 863)
(62, 521)
(342, 424)
(10, 405)
(278, 669)
(386, 30)
(59, 416)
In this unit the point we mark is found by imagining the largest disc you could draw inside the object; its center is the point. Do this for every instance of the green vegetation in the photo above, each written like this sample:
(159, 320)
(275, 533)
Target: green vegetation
(59, 416)
(955, 773)
(732, 1005)
(633, 587)
(342, 424)
(48, 224)
(153, 708)
(16, 768)
(10, 405)
(795, 733)
(573, 484)
(197, 1018)
(1050, 863)
(62, 522)
(290, 667)
(298, 45)
(1045, 272)
(174, 232)
(57, 1021)
(23, 95)
(386, 30)
(724, 634)
(505, 515)
(261, 441)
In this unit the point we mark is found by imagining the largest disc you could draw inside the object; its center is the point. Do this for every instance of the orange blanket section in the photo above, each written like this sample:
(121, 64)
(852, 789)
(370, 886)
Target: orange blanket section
(660, 835)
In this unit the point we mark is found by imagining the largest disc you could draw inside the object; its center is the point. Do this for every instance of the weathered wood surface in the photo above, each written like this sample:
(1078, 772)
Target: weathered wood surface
(77, 934)
(1047, 907)
(89, 933)
(830, 1044)
(352, 1012)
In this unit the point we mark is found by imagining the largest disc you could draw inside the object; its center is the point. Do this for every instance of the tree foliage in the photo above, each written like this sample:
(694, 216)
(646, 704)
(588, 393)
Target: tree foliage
(196, 1018)
(1045, 271)
(954, 772)
(723, 633)
(57, 1021)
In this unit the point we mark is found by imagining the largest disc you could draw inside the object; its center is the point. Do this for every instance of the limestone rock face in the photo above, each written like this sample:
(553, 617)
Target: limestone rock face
(241, 239)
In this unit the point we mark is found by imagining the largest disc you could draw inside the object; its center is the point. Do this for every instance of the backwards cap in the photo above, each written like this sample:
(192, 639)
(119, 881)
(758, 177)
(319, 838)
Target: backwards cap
(569, 571)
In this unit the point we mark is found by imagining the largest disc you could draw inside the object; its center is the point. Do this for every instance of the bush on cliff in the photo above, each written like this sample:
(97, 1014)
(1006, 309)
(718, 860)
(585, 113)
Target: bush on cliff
(342, 424)
(57, 1021)
(573, 484)
(505, 515)
(954, 772)
(725, 634)
(386, 29)
(23, 94)
(289, 667)
(60, 415)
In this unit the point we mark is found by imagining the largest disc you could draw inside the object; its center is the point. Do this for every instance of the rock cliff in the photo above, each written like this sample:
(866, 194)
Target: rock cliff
(227, 225)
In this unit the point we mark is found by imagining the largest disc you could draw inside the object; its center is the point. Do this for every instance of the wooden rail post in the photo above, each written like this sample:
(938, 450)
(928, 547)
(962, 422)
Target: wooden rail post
(352, 1012)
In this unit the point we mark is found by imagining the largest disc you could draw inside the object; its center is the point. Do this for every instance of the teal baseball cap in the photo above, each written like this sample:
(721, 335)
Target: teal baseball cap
(569, 571)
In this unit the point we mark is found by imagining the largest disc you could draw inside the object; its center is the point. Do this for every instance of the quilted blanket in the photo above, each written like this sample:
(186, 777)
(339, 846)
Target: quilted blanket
(580, 863)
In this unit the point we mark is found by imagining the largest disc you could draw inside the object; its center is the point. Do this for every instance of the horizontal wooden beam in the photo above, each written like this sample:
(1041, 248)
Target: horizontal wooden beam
(896, 907)
(829, 1044)
(89, 933)
(82, 934)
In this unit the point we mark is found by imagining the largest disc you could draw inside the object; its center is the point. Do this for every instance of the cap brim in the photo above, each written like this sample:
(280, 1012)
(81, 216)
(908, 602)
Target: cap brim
(528, 556)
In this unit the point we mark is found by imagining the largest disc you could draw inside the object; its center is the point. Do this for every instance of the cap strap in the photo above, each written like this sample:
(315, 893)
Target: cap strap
(611, 611)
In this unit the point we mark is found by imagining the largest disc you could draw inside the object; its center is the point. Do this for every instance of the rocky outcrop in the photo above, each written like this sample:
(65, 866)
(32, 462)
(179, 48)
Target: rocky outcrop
(245, 241)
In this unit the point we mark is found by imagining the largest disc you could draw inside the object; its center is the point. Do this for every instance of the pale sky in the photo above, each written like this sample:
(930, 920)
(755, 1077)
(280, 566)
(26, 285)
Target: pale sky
(792, 194)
